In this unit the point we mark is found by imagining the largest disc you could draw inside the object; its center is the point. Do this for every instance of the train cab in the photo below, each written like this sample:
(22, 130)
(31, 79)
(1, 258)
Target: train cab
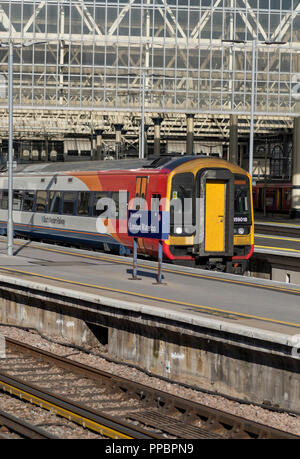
(211, 218)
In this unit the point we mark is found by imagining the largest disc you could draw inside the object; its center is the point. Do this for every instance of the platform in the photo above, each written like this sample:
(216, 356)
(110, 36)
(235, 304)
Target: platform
(216, 332)
(258, 303)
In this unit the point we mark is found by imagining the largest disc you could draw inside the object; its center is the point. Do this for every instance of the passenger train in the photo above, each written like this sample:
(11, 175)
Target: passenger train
(59, 203)
(273, 197)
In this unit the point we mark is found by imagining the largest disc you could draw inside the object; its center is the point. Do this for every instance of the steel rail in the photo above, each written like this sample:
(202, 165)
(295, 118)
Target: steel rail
(215, 420)
(99, 422)
(23, 428)
(277, 229)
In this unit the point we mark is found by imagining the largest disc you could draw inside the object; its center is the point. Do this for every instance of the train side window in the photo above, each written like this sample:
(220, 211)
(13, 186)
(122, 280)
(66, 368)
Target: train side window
(4, 200)
(41, 201)
(28, 201)
(54, 202)
(83, 200)
(99, 195)
(68, 202)
(17, 199)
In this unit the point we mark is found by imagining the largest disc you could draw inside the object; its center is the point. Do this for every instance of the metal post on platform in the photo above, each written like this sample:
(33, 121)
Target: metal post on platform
(134, 264)
(159, 265)
(134, 261)
(159, 262)
(10, 224)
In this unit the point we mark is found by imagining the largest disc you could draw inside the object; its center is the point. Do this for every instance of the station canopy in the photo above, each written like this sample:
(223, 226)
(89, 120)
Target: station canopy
(185, 56)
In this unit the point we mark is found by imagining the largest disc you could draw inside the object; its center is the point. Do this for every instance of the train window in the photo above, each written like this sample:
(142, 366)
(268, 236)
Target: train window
(17, 199)
(97, 196)
(83, 200)
(181, 210)
(241, 200)
(4, 199)
(242, 207)
(155, 201)
(41, 201)
(68, 202)
(54, 202)
(28, 201)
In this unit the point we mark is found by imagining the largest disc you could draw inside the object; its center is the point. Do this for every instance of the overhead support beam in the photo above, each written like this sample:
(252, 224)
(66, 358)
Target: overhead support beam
(295, 205)
(146, 127)
(190, 134)
(118, 128)
(98, 152)
(157, 124)
(233, 139)
(295, 208)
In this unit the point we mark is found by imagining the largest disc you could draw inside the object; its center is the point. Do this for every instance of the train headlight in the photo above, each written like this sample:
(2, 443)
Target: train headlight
(178, 230)
(241, 230)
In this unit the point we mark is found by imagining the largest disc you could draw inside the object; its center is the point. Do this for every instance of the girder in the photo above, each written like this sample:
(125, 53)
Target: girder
(56, 124)
(96, 52)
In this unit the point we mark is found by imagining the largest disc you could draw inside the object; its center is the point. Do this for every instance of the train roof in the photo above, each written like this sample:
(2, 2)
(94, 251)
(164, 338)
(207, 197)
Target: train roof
(154, 163)
(78, 166)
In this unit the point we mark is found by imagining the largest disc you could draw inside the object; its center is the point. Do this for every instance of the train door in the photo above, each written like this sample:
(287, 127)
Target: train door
(140, 199)
(215, 190)
(215, 210)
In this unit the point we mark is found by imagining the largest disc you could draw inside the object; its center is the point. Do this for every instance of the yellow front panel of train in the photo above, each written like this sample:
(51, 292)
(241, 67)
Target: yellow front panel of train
(215, 216)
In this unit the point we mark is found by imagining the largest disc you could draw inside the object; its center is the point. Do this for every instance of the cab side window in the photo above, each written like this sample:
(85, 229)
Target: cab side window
(182, 202)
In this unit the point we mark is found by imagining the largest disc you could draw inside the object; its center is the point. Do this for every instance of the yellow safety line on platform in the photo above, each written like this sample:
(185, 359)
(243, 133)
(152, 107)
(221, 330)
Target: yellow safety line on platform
(275, 223)
(281, 238)
(143, 295)
(276, 248)
(104, 430)
(168, 270)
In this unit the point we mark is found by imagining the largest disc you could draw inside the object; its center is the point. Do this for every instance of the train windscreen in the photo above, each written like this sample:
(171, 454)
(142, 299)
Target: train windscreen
(242, 205)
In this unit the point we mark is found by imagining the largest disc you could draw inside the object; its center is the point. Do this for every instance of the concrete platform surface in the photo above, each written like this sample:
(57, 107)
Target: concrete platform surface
(266, 305)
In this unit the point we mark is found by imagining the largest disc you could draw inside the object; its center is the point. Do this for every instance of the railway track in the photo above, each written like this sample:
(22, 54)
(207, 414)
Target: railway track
(277, 229)
(113, 406)
(12, 427)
